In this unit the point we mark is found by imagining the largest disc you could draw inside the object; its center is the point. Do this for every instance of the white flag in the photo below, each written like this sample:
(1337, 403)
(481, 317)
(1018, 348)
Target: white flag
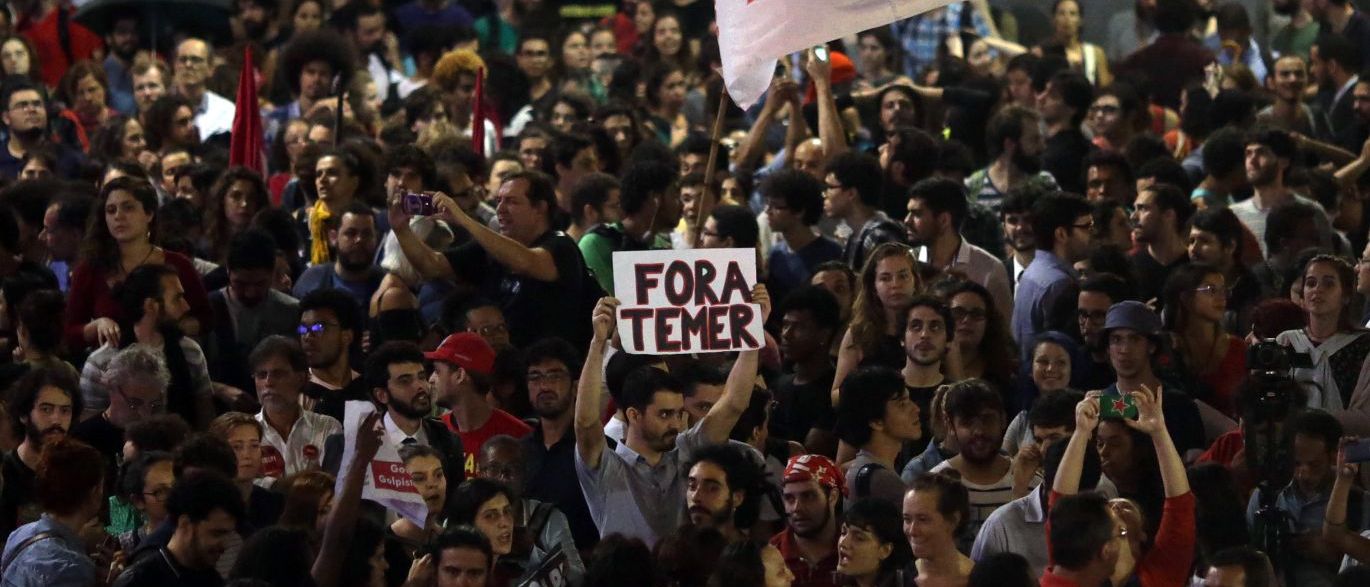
(753, 34)
(387, 479)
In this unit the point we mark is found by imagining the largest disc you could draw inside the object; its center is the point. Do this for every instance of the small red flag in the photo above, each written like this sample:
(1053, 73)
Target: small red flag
(478, 114)
(247, 145)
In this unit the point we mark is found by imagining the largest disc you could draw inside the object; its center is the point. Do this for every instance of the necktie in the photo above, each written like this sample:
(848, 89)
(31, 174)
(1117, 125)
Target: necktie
(409, 441)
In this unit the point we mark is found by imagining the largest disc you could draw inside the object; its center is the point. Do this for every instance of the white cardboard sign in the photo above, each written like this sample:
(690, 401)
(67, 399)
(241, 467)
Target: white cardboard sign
(697, 301)
(387, 480)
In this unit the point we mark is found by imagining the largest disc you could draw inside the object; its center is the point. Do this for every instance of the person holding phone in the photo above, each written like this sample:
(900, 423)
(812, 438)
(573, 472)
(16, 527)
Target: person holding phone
(1351, 453)
(1171, 554)
(1132, 334)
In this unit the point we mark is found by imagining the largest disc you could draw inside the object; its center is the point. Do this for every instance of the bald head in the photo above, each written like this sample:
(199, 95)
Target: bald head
(501, 459)
(808, 157)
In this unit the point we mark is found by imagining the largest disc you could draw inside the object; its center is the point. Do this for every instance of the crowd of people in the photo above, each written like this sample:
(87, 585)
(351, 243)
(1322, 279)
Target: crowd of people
(1060, 294)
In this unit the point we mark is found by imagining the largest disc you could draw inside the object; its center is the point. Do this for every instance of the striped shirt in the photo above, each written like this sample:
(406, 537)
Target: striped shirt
(984, 499)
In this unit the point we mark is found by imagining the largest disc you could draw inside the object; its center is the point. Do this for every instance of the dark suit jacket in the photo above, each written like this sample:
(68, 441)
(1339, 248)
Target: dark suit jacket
(1341, 115)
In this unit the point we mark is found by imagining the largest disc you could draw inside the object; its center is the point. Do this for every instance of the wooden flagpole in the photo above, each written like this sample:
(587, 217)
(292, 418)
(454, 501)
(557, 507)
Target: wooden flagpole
(711, 168)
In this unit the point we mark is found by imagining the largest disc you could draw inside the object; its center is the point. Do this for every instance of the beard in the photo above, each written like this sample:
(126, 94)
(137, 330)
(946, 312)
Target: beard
(552, 410)
(355, 261)
(817, 529)
(125, 52)
(716, 519)
(1029, 164)
(410, 409)
(28, 136)
(36, 436)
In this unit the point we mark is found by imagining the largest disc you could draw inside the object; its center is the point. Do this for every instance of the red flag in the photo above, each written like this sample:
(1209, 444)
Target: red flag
(247, 145)
(478, 114)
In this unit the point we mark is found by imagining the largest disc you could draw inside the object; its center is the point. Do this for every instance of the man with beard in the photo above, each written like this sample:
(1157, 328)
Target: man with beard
(462, 367)
(1062, 225)
(928, 332)
(122, 41)
(1334, 65)
(26, 120)
(636, 489)
(974, 415)
(721, 491)
(647, 197)
(937, 209)
(1159, 220)
(257, 22)
(1297, 36)
(1133, 333)
(1020, 245)
(395, 373)
(877, 426)
(292, 438)
(355, 239)
(203, 509)
(248, 309)
(1269, 155)
(153, 303)
(537, 273)
(812, 495)
(1014, 137)
(329, 324)
(364, 25)
(138, 379)
(1064, 104)
(42, 405)
(311, 61)
(1289, 112)
(1097, 294)
(553, 368)
(193, 66)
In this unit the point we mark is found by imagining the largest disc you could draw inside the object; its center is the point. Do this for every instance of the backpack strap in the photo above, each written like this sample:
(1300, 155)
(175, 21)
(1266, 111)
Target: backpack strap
(538, 520)
(863, 478)
(30, 541)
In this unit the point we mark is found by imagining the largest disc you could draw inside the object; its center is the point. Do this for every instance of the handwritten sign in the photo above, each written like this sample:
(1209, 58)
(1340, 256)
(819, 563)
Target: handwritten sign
(676, 302)
(555, 571)
(387, 481)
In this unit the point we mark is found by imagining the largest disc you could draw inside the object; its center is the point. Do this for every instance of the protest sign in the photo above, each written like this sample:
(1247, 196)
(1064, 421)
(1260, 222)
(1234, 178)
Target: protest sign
(699, 301)
(387, 480)
(554, 571)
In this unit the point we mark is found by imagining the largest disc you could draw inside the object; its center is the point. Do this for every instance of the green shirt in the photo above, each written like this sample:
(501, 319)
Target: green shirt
(599, 244)
(1292, 41)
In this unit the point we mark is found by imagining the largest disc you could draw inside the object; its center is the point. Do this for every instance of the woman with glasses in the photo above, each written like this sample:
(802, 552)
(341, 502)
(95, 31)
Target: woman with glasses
(144, 483)
(1216, 237)
(982, 339)
(1336, 346)
(1196, 302)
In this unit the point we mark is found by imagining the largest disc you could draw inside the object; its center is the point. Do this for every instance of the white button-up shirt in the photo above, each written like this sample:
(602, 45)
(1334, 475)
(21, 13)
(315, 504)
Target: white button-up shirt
(302, 451)
(214, 115)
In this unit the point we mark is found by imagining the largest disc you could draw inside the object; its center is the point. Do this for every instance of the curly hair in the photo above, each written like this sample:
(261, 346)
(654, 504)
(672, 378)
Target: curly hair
(107, 144)
(322, 44)
(218, 233)
(455, 64)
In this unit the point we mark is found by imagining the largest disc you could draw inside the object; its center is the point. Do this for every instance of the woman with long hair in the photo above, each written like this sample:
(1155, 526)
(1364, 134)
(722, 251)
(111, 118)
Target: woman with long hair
(872, 550)
(748, 564)
(1216, 238)
(1336, 345)
(572, 66)
(881, 59)
(235, 198)
(1088, 58)
(85, 91)
(121, 138)
(665, 104)
(343, 175)
(936, 512)
(982, 338)
(1195, 303)
(889, 281)
(119, 239)
(667, 44)
(406, 540)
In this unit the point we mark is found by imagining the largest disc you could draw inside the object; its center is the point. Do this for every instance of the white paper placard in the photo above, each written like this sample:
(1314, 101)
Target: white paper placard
(697, 301)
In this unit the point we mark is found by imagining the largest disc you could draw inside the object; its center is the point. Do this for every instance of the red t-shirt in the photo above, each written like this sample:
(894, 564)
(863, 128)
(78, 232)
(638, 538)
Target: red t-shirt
(806, 573)
(500, 422)
(1172, 552)
(52, 60)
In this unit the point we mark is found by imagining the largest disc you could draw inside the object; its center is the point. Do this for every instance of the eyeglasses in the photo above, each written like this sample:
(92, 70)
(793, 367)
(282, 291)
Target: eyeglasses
(975, 315)
(710, 234)
(191, 59)
(550, 376)
(1094, 316)
(835, 187)
(27, 105)
(137, 404)
(159, 494)
(1211, 290)
(317, 328)
(533, 53)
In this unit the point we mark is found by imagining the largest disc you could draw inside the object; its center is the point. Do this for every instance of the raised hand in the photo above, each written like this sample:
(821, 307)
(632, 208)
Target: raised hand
(1347, 470)
(445, 207)
(819, 71)
(1087, 413)
(763, 298)
(605, 318)
(399, 216)
(1150, 418)
(370, 434)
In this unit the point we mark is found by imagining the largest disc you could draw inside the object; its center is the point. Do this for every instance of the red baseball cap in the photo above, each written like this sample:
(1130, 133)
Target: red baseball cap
(466, 350)
(815, 468)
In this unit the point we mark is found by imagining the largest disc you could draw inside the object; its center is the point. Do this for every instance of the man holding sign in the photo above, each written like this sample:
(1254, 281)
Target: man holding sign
(637, 488)
(688, 301)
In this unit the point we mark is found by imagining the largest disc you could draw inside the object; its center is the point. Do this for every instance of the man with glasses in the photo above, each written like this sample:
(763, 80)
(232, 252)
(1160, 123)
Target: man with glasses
(1160, 216)
(329, 325)
(852, 195)
(794, 205)
(292, 438)
(1062, 225)
(137, 379)
(1097, 294)
(462, 367)
(193, 66)
(553, 369)
(937, 208)
(26, 120)
(534, 59)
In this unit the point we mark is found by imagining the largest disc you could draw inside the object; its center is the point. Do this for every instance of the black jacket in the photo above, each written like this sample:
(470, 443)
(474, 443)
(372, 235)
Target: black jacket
(439, 438)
